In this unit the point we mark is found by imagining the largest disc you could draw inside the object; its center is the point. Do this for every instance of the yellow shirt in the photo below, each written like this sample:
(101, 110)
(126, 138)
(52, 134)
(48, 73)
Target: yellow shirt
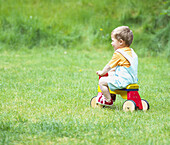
(119, 59)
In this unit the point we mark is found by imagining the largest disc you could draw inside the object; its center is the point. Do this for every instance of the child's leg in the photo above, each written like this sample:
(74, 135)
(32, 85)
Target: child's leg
(103, 83)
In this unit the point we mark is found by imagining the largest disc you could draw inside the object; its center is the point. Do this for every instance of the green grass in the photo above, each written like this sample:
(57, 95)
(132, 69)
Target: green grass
(76, 24)
(45, 99)
(49, 53)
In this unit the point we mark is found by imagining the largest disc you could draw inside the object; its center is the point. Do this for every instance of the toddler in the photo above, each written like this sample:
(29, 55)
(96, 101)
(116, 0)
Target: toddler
(122, 68)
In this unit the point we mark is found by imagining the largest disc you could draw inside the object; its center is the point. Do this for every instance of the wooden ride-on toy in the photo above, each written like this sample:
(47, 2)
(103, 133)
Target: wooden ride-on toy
(130, 93)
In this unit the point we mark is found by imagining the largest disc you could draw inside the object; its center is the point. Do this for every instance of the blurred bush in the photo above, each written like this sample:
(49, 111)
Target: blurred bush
(84, 24)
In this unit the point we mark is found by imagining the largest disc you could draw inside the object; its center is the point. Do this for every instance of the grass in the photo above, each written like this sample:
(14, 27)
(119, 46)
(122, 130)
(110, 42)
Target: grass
(77, 23)
(45, 99)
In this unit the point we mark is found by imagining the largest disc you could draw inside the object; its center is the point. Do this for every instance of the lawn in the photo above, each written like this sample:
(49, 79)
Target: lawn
(45, 99)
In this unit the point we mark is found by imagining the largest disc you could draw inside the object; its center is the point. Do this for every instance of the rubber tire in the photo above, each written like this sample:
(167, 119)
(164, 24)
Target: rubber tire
(93, 103)
(145, 105)
(129, 105)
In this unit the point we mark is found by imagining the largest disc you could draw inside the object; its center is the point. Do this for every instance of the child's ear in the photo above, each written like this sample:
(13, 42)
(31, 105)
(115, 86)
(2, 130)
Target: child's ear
(121, 42)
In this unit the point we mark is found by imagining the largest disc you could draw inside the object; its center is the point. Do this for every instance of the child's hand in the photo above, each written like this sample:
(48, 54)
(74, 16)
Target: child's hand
(99, 73)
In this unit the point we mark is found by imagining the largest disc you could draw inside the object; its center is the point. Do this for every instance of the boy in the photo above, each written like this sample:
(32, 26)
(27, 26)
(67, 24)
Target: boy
(124, 63)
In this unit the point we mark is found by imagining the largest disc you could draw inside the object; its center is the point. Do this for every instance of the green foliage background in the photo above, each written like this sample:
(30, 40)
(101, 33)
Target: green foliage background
(84, 24)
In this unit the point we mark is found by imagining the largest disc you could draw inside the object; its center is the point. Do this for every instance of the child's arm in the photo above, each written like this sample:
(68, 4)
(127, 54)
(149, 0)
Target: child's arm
(112, 71)
(104, 71)
(112, 64)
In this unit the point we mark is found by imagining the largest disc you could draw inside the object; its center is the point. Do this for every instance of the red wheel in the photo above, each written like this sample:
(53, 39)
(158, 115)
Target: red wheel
(129, 105)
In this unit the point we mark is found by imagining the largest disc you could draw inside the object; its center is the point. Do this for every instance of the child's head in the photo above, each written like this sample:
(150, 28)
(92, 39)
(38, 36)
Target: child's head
(123, 33)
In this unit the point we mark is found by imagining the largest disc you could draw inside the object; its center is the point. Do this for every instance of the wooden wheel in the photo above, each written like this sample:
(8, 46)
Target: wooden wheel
(129, 105)
(93, 103)
(145, 105)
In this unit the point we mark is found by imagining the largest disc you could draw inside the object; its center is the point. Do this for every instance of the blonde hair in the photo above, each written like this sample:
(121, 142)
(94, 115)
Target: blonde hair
(124, 33)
